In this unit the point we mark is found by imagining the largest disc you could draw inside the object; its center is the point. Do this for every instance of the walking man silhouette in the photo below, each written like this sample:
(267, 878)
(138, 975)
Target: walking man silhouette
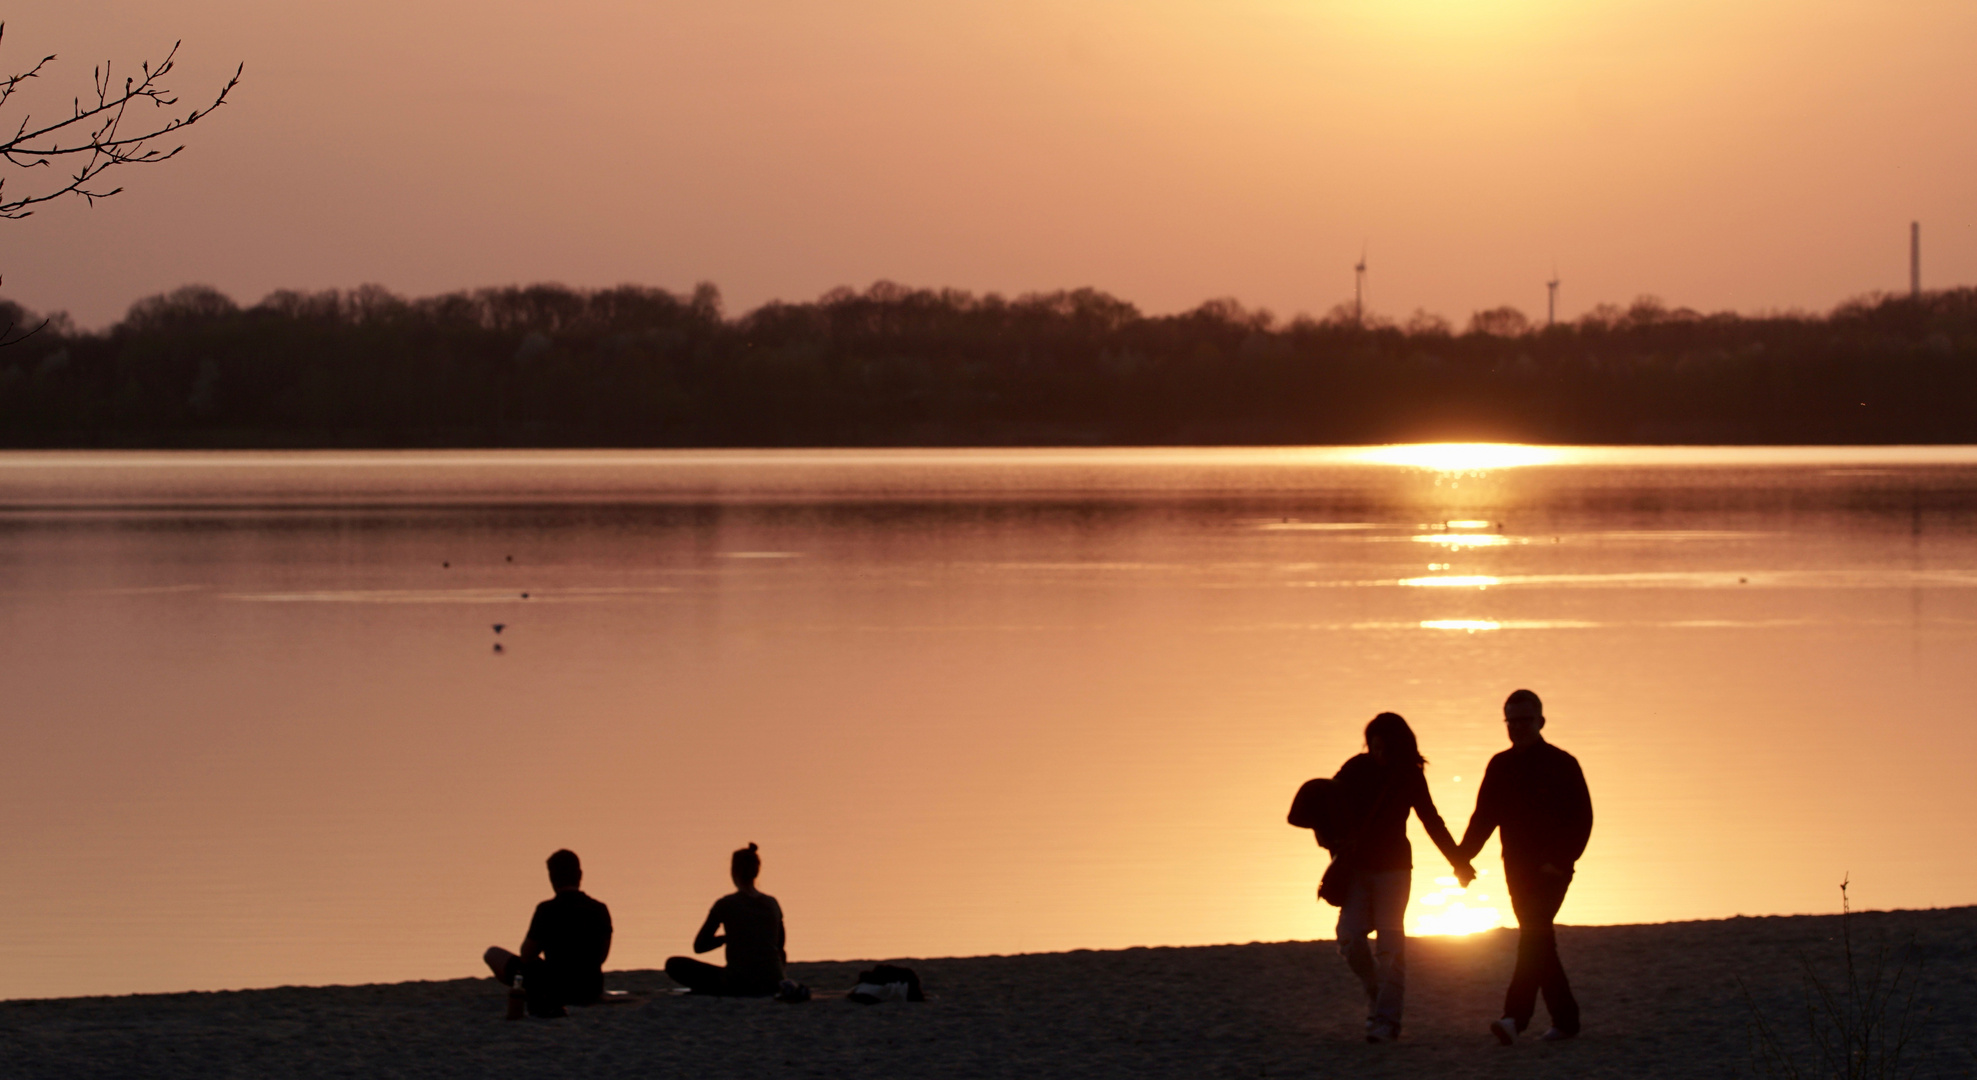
(1537, 795)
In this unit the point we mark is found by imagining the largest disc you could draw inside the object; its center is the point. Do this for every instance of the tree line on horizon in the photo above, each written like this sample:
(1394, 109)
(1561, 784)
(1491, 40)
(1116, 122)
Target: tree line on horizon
(545, 365)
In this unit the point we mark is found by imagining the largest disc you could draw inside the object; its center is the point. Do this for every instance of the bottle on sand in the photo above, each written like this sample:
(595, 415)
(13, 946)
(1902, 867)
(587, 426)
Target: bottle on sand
(518, 999)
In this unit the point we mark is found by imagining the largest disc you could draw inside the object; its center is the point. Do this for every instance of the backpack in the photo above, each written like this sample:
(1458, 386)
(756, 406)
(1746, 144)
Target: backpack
(1328, 809)
(1314, 809)
(887, 982)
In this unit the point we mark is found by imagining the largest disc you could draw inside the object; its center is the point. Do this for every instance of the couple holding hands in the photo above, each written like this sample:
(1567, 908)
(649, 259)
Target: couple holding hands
(1534, 792)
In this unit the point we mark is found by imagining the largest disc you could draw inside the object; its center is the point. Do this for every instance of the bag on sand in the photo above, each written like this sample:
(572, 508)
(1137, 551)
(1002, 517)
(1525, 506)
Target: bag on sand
(887, 982)
(1313, 809)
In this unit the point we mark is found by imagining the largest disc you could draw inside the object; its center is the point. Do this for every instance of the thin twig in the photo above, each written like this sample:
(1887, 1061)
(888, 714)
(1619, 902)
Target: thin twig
(94, 134)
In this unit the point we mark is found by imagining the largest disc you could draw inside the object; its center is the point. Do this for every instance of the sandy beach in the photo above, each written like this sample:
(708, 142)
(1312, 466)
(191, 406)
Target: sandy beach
(1660, 1000)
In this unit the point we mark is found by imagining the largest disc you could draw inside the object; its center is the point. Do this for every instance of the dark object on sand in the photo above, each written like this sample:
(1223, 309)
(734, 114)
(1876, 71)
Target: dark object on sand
(525, 596)
(792, 992)
(887, 982)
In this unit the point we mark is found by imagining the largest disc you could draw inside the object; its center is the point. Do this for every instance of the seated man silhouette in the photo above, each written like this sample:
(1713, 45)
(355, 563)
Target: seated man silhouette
(754, 939)
(562, 958)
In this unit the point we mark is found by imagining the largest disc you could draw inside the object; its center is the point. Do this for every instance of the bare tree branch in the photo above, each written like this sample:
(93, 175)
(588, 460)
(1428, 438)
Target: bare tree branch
(93, 139)
(7, 336)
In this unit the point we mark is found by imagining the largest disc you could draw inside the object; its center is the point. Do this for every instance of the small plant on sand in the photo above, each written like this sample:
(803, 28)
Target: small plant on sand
(1860, 1023)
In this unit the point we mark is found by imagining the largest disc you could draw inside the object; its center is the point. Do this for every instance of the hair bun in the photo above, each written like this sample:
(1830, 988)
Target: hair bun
(751, 845)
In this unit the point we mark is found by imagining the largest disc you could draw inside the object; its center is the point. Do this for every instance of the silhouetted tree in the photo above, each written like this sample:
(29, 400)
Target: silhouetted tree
(95, 137)
(92, 140)
(545, 365)
(1424, 323)
(1505, 321)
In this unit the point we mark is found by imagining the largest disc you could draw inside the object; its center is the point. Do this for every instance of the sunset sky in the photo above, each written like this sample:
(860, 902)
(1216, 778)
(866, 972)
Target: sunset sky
(1745, 154)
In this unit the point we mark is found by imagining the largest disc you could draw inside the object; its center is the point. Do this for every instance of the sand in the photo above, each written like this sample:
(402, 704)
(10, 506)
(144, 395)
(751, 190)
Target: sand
(1659, 1000)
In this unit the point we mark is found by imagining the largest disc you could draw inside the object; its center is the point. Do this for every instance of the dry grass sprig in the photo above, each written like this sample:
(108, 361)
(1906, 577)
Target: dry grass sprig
(1859, 1026)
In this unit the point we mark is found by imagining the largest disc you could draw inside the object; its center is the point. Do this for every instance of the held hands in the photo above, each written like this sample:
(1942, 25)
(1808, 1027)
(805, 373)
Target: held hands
(1464, 873)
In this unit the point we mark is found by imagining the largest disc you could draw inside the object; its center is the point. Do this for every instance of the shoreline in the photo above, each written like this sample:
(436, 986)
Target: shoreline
(830, 964)
(1660, 999)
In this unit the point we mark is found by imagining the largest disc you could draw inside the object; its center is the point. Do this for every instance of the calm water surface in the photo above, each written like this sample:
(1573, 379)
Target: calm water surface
(256, 730)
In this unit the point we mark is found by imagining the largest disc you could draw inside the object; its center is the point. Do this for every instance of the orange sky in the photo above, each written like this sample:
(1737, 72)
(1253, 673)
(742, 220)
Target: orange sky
(1745, 154)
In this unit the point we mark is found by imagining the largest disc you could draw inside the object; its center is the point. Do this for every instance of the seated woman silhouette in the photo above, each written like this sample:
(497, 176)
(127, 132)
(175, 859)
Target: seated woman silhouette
(754, 922)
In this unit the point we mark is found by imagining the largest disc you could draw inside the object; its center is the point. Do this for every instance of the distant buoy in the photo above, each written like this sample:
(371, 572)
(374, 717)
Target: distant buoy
(525, 596)
(500, 626)
(445, 565)
(498, 648)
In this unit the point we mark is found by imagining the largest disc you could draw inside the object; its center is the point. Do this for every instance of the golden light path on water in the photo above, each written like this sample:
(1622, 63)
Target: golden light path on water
(1465, 540)
(1448, 908)
(1455, 581)
(1471, 625)
(1464, 457)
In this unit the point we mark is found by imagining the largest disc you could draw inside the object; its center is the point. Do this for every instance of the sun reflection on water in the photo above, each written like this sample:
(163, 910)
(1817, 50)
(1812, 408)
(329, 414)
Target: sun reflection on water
(1464, 540)
(1471, 625)
(1452, 581)
(1449, 909)
(1463, 457)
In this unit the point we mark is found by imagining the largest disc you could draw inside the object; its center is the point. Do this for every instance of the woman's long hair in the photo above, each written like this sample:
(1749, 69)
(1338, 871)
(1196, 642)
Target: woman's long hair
(1394, 734)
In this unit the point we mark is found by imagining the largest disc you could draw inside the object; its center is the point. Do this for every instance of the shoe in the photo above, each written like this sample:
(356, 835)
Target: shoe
(1381, 1032)
(792, 992)
(1505, 1030)
(1557, 1034)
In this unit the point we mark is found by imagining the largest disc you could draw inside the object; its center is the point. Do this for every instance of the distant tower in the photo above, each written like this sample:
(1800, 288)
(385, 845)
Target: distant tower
(1359, 289)
(1551, 299)
(1915, 260)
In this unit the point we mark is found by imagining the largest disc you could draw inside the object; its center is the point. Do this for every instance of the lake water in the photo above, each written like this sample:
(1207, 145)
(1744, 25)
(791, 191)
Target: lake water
(257, 732)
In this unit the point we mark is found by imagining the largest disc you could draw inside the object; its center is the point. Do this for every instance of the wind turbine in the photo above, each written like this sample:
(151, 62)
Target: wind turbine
(1551, 297)
(1915, 260)
(1359, 288)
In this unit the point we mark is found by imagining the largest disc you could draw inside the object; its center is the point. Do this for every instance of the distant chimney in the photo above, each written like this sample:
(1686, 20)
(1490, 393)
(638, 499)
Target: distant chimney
(1915, 260)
